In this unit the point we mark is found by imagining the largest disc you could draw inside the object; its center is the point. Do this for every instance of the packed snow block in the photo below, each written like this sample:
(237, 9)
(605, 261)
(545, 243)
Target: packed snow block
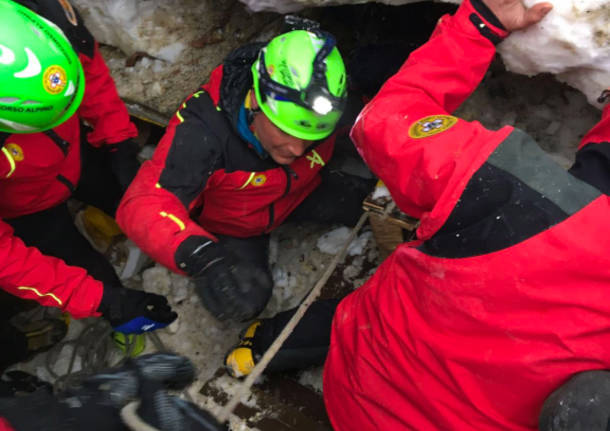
(572, 42)
(286, 6)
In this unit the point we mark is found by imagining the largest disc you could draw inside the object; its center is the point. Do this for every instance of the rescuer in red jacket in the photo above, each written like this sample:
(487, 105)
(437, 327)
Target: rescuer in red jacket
(240, 155)
(52, 77)
(502, 297)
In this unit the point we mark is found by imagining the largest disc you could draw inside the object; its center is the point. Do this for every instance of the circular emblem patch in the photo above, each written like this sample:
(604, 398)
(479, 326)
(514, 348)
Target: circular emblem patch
(15, 150)
(54, 79)
(259, 180)
(432, 125)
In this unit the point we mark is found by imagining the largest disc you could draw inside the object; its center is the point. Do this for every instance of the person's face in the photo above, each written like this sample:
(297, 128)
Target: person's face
(282, 147)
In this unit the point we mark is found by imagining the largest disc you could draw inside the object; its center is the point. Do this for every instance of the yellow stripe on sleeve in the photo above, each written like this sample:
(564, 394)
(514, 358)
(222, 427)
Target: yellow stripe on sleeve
(248, 181)
(173, 218)
(33, 289)
(10, 161)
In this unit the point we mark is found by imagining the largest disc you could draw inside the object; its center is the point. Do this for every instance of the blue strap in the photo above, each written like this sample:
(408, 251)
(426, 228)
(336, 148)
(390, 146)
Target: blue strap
(246, 133)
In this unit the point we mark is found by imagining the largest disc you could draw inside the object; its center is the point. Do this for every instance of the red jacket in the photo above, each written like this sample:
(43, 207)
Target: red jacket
(203, 178)
(504, 295)
(40, 170)
(5, 426)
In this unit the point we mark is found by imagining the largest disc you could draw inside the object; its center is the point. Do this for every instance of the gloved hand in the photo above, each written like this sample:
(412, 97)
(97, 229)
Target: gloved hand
(95, 404)
(163, 412)
(133, 311)
(123, 161)
(229, 287)
(43, 411)
(580, 404)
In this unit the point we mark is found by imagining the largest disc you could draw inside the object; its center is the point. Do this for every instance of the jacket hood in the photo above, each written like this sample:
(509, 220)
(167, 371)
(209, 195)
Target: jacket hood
(237, 79)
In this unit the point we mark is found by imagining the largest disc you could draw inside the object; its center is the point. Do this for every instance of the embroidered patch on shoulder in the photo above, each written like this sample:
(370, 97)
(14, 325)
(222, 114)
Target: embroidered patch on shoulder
(315, 159)
(15, 150)
(259, 180)
(432, 125)
(69, 11)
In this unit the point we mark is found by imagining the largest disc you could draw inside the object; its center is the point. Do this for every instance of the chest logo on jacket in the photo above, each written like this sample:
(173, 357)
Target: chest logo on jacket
(431, 125)
(259, 180)
(255, 179)
(15, 151)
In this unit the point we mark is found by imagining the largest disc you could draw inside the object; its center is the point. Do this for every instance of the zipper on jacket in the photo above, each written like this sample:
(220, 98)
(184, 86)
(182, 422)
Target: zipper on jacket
(66, 182)
(271, 217)
(289, 173)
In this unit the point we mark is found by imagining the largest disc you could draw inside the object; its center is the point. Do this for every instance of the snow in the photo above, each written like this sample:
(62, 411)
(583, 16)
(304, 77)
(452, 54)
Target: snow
(159, 51)
(572, 42)
(287, 6)
(333, 241)
(381, 191)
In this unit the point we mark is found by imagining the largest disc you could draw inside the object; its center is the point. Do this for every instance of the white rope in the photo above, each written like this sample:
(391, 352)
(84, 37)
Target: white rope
(130, 417)
(223, 416)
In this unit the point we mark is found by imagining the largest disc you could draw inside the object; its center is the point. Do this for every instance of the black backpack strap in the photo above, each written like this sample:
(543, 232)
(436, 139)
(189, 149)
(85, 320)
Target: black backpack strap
(3, 137)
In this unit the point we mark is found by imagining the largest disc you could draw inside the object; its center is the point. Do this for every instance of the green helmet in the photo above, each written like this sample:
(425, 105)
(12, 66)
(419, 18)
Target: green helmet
(42, 79)
(300, 83)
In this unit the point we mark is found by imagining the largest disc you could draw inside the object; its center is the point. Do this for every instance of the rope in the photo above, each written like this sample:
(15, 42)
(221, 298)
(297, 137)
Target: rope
(92, 347)
(130, 417)
(224, 414)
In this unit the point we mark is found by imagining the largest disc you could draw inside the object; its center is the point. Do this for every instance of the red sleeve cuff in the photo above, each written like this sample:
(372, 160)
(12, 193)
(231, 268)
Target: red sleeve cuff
(483, 20)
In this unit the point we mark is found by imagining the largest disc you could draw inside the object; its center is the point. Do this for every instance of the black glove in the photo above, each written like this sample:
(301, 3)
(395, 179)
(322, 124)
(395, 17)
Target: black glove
(133, 311)
(42, 411)
(123, 161)
(95, 404)
(163, 412)
(580, 404)
(229, 287)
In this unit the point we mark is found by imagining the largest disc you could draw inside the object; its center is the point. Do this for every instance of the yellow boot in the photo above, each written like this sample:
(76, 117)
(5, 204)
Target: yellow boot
(99, 228)
(239, 362)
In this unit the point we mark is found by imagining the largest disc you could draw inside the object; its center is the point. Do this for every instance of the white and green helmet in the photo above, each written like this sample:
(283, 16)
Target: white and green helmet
(300, 83)
(42, 79)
